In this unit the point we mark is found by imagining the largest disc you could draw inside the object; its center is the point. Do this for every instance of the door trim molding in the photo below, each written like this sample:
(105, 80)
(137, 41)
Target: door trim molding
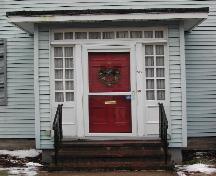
(108, 48)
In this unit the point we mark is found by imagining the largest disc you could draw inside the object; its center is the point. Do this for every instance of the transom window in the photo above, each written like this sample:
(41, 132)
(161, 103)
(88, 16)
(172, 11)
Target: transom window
(155, 72)
(136, 33)
(64, 74)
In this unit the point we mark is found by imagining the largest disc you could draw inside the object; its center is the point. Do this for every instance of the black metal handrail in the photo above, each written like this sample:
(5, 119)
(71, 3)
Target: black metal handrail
(58, 134)
(163, 129)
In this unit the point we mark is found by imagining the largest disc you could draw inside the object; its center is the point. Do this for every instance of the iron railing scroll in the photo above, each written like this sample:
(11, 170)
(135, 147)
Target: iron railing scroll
(163, 130)
(58, 134)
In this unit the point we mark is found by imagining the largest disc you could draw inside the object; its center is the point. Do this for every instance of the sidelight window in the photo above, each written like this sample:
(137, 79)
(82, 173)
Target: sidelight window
(64, 74)
(155, 72)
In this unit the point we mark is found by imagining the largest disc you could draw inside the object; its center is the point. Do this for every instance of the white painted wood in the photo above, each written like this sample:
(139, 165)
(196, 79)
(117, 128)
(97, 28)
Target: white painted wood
(141, 125)
(183, 86)
(190, 19)
(99, 48)
(109, 41)
(79, 91)
(69, 107)
(36, 89)
(110, 17)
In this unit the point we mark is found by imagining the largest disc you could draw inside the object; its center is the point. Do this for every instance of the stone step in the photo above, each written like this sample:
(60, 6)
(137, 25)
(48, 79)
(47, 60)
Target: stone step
(111, 143)
(121, 153)
(111, 155)
(111, 165)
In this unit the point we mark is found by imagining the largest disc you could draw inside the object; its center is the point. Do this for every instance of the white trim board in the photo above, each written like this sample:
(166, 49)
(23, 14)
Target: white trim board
(190, 19)
(36, 88)
(107, 48)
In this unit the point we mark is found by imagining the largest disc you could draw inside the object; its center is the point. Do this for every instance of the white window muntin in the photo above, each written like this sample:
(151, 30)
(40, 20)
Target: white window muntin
(155, 72)
(147, 33)
(63, 74)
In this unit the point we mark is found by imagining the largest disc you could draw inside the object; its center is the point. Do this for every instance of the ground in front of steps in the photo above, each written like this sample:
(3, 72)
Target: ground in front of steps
(116, 173)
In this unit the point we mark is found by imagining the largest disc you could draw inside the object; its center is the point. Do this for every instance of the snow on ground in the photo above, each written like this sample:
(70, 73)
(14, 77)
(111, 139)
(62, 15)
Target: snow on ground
(31, 164)
(21, 153)
(203, 168)
(31, 169)
(21, 162)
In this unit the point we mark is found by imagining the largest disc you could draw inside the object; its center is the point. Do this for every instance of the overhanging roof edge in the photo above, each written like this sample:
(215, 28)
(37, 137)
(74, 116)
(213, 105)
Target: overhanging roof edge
(107, 11)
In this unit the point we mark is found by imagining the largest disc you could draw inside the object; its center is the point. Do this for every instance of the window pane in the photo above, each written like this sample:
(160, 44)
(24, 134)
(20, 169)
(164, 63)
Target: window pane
(58, 36)
(159, 61)
(149, 84)
(149, 61)
(161, 94)
(160, 72)
(108, 35)
(149, 72)
(149, 50)
(69, 74)
(81, 35)
(150, 95)
(69, 96)
(160, 84)
(58, 52)
(58, 63)
(58, 74)
(122, 34)
(159, 50)
(94, 35)
(148, 34)
(59, 97)
(69, 85)
(68, 35)
(136, 34)
(68, 52)
(69, 63)
(158, 34)
(58, 85)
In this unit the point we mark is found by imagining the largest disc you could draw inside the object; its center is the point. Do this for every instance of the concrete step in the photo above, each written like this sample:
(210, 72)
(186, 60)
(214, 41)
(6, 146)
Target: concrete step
(105, 165)
(111, 155)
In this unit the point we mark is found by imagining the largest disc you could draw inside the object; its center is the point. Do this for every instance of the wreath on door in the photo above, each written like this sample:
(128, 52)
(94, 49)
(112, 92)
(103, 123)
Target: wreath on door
(109, 76)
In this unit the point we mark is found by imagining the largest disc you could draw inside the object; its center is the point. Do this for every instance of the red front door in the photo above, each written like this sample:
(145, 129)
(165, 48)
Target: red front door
(108, 73)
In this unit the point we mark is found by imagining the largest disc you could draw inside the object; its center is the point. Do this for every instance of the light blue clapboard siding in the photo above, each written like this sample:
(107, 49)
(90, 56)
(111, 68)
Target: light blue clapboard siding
(175, 86)
(200, 94)
(201, 76)
(44, 88)
(17, 118)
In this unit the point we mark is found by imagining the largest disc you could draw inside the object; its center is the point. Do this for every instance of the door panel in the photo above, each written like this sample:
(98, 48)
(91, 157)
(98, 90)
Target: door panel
(102, 62)
(109, 114)
(109, 72)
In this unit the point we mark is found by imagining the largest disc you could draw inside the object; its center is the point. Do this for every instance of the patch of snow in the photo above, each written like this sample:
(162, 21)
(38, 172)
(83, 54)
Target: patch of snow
(203, 168)
(29, 171)
(29, 164)
(21, 153)
(180, 173)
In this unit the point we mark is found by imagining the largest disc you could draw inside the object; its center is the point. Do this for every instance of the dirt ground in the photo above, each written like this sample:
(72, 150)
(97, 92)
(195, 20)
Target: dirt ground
(116, 173)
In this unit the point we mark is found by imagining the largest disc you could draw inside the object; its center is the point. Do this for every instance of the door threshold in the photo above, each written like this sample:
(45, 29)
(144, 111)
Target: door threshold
(109, 138)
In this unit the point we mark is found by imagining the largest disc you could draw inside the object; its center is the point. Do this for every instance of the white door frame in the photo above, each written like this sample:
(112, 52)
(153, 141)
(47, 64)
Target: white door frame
(112, 47)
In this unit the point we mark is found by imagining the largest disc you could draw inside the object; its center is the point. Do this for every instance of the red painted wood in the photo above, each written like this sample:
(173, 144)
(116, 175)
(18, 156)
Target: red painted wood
(109, 118)
(120, 61)
(114, 117)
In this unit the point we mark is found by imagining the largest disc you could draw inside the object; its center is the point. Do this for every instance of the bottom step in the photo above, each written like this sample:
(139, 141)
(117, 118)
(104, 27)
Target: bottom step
(104, 166)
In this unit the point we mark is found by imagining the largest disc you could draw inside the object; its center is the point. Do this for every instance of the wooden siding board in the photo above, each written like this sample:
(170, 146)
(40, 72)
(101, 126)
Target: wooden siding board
(17, 118)
(201, 66)
(175, 86)
(44, 88)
